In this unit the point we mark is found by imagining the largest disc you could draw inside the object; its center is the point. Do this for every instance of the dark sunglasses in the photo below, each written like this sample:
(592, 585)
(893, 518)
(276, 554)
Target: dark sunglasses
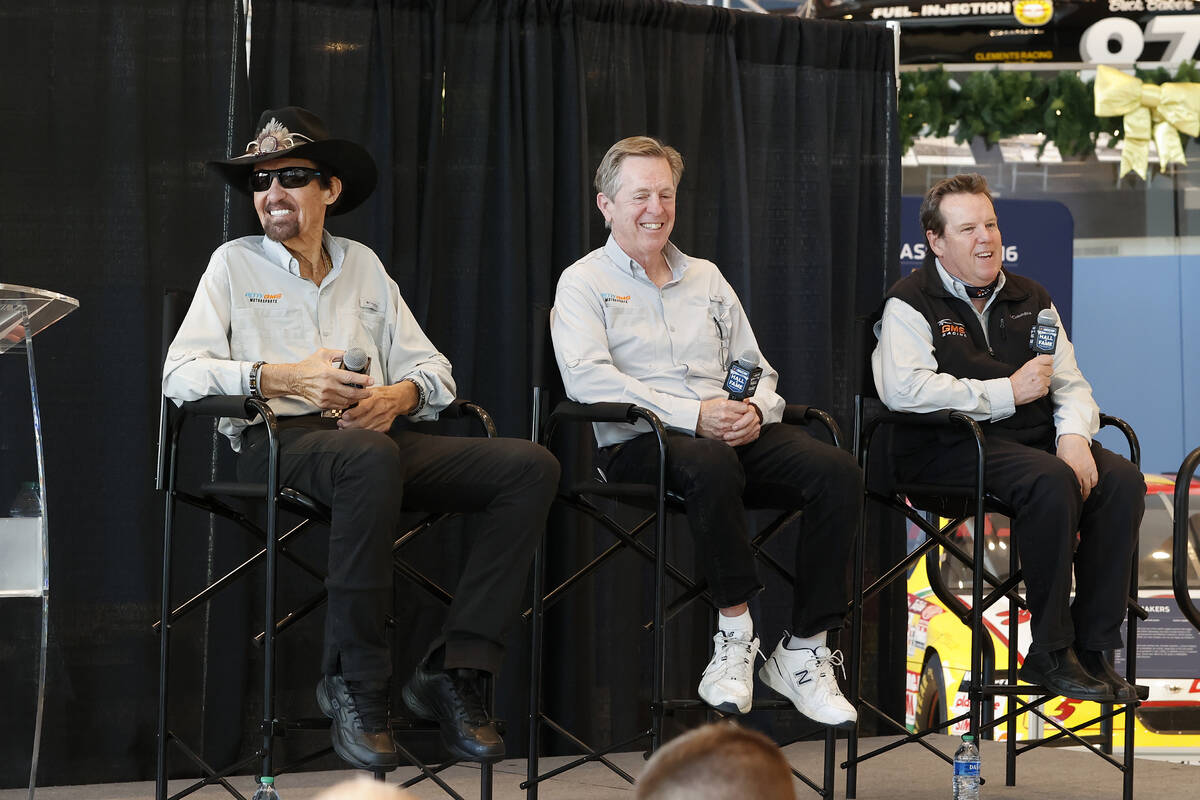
(289, 177)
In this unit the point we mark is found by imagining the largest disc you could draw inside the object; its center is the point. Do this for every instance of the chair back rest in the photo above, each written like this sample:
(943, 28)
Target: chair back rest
(547, 382)
(865, 341)
(175, 305)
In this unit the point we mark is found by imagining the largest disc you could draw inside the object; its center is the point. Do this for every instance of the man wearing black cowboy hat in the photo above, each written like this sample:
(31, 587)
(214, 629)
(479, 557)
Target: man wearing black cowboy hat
(272, 317)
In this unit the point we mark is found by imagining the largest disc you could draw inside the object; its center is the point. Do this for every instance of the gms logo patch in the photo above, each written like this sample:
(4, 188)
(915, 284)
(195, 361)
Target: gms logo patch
(950, 327)
(609, 298)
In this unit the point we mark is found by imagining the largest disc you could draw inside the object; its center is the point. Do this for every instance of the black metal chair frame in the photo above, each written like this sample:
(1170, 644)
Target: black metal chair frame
(1180, 555)
(212, 497)
(960, 505)
(660, 501)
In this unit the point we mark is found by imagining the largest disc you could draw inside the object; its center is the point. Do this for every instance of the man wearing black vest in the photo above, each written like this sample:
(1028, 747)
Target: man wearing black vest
(955, 335)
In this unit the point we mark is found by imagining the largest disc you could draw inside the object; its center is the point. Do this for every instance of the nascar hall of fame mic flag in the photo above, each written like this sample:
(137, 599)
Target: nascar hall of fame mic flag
(742, 379)
(1043, 336)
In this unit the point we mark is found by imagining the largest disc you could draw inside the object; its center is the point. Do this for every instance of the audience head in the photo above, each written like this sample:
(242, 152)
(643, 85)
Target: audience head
(722, 761)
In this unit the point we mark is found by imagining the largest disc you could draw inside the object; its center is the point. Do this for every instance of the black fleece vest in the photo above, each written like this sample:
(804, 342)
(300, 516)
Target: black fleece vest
(962, 350)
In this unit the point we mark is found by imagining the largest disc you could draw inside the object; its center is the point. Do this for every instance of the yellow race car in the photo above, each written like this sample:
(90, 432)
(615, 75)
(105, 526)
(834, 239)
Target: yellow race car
(1168, 647)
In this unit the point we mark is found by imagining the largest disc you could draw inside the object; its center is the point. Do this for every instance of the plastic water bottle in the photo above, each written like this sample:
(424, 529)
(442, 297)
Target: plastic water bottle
(28, 502)
(266, 789)
(966, 770)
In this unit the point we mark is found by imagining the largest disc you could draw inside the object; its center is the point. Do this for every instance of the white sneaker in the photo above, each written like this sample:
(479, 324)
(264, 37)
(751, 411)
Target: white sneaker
(728, 681)
(806, 677)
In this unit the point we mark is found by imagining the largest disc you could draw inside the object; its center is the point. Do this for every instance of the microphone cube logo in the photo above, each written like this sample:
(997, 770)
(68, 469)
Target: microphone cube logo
(738, 377)
(1043, 339)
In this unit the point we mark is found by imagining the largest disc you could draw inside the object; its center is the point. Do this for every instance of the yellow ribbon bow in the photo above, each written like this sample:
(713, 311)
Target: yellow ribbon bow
(1165, 110)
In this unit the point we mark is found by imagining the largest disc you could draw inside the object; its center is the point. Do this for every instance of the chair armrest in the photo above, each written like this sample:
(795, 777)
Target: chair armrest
(238, 406)
(598, 412)
(797, 414)
(1135, 448)
(460, 408)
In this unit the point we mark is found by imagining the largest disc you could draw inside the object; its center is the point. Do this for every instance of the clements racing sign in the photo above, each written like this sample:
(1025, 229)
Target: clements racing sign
(1104, 32)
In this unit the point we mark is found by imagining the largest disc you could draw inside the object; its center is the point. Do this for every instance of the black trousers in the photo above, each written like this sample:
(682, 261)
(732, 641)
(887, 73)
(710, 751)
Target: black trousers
(784, 468)
(367, 478)
(1044, 494)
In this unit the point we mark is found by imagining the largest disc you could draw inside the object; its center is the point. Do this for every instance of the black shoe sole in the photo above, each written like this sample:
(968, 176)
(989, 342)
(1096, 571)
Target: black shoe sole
(422, 711)
(1033, 677)
(339, 746)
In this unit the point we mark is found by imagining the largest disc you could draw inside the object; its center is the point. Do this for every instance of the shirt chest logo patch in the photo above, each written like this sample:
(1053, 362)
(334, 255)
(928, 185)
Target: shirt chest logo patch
(951, 327)
(262, 298)
(368, 305)
(610, 299)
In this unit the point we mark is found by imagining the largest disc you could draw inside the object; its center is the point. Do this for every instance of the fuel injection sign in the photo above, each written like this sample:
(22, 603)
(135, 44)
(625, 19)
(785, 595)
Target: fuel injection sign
(992, 31)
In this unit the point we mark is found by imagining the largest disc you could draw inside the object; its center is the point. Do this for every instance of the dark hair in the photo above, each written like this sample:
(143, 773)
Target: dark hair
(717, 762)
(931, 207)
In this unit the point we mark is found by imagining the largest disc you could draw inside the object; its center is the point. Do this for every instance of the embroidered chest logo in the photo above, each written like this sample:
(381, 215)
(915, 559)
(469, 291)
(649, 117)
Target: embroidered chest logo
(950, 327)
(1022, 314)
(609, 298)
(265, 299)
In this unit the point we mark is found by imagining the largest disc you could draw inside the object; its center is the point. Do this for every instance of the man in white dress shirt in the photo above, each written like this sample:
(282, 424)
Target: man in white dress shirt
(637, 321)
(271, 318)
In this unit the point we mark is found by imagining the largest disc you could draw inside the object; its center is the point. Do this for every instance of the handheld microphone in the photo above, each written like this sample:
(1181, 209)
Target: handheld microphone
(353, 360)
(1043, 336)
(356, 360)
(742, 379)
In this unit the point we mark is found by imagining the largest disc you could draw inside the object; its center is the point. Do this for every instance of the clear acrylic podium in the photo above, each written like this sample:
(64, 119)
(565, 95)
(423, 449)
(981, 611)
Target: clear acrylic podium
(24, 545)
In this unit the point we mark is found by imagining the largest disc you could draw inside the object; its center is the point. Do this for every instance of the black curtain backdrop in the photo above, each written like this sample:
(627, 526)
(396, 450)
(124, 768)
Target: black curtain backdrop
(487, 120)
(109, 111)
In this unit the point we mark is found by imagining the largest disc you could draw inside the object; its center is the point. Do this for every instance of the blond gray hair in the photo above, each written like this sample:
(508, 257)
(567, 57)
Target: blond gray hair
(717, 762)
(608, 174)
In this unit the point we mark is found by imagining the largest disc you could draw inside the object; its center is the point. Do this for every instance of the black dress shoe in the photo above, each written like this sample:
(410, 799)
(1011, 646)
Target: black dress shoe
(1061, 673)
(451, 699)
(1098, 667)
(360, 733)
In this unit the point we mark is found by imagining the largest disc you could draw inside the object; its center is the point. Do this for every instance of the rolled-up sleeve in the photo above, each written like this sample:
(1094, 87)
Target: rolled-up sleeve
(412, 356)
(1075, 409)
(199, 363)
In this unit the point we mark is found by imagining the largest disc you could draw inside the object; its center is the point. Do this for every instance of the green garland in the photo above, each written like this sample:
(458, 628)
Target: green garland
(1000, 104)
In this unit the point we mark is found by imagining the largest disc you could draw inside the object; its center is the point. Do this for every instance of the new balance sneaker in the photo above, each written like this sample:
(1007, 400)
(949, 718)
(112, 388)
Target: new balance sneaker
(728, 681)
(806, 677)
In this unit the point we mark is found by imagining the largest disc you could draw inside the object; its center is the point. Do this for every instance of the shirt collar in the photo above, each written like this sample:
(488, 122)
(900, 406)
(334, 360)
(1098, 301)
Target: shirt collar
(955, 286)
(280, 255)
(676, 260)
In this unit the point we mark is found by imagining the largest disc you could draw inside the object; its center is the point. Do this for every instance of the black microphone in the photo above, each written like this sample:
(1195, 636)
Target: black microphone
(1043, 337)
(742, 379)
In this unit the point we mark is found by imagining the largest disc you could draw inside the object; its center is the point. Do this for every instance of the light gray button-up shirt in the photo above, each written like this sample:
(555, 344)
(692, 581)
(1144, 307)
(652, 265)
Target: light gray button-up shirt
(252, 305)
(619, 338)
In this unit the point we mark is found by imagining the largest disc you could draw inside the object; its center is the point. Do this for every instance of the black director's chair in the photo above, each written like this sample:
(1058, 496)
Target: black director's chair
(655, 501)
(922, 505)
(229, 500)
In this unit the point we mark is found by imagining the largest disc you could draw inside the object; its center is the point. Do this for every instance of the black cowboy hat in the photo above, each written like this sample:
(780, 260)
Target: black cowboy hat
(295, 132)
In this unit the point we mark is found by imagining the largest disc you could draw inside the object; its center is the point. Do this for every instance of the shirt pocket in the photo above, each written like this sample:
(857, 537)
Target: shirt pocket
(632, 342)
(707, 351)
(258, 333)
(371, 327)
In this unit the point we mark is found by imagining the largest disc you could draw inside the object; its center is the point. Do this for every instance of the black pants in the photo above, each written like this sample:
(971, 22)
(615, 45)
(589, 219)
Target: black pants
(1044, 494)
(784, 468)
(367, 478)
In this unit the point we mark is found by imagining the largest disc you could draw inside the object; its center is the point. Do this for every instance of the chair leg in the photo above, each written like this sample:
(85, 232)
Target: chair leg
(536, 632)
(856, 622)
(164, 632)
